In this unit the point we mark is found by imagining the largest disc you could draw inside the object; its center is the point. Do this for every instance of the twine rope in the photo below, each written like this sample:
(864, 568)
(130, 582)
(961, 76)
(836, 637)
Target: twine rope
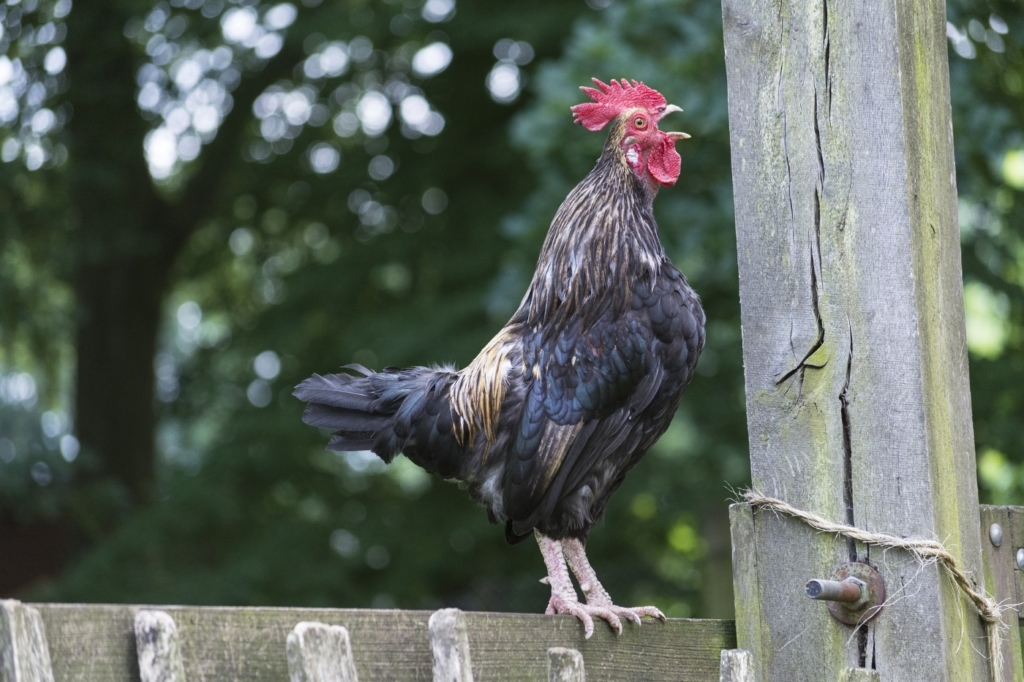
(930, 551)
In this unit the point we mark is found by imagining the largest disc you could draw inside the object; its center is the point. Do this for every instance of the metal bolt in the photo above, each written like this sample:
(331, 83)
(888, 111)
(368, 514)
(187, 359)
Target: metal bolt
(855, 594)
(1020, 558)
(848, 591)
(995, 534)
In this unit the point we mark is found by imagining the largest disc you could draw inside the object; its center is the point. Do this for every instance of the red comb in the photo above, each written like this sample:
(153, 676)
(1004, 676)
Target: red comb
(612, 99)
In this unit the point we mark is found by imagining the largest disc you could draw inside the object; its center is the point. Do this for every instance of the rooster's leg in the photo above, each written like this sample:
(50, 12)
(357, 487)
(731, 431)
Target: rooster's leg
(595, 593)
(563, 595)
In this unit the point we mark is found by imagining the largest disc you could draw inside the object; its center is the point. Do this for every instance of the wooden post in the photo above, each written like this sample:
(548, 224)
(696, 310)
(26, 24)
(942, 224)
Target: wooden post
(320, 653)
(736, 666)
(1001, 536)
(565, 665)
(156, 646)
(449, 644)
(24, 651)
(858, 402)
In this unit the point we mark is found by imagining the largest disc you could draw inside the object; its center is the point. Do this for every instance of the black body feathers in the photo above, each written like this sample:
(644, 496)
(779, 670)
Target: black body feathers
(545, 423)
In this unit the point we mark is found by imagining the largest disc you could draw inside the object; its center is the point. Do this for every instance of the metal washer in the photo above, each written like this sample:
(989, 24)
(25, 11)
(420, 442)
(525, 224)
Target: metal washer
(875, 588)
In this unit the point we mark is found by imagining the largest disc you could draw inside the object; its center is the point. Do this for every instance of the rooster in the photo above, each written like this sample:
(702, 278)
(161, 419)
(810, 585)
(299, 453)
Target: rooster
(546, 422)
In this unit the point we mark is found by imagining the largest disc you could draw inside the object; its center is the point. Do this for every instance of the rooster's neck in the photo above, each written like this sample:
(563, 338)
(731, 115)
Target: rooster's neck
(603, 239)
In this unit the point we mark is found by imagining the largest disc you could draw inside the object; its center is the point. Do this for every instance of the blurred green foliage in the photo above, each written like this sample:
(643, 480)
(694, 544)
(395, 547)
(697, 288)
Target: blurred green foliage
(297, 271)
(987, 83)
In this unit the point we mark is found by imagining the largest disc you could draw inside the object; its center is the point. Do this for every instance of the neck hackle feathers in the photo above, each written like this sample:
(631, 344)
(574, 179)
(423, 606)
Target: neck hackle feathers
(611, 99)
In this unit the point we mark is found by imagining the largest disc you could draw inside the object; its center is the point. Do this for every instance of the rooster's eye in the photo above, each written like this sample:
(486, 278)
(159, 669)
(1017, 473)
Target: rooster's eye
(639, 122)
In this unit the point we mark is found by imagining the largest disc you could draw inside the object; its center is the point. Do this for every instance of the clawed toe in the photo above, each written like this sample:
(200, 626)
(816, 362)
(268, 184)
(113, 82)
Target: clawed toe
(648, 611)
(628, 614)
(614, 615)
(605, 614)
(559, 606)
(634, 614)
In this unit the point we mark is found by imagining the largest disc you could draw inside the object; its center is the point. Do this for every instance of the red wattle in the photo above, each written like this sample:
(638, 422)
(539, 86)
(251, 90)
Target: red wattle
(664, 163)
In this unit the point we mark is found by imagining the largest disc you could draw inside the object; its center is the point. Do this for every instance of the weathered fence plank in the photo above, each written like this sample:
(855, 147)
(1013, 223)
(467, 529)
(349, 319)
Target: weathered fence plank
(565, 665)
(1001, 567)
(513, 646)
(320, 653)
(24, 651)
(96, 643)
(156, 644)
(1016, 526)
(858, 401)
(999, 553)
(751, 628)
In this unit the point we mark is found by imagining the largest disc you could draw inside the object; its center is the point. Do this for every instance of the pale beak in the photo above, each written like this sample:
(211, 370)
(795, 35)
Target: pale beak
(668, 110)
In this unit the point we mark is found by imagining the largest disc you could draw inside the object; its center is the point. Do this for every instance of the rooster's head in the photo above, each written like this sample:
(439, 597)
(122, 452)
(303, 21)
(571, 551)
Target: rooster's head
(649, 152)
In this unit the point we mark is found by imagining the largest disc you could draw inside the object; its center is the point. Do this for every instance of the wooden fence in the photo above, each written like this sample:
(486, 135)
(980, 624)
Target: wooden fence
(125, 643)
(119, 643)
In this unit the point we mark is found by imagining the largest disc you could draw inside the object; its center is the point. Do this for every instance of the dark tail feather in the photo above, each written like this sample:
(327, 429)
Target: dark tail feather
(344, 404)
(339, 419)
(336, 390)
(359, 410)
(388, 412)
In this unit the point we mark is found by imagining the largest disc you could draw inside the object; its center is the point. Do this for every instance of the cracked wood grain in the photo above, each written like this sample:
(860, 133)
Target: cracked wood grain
(858, 402)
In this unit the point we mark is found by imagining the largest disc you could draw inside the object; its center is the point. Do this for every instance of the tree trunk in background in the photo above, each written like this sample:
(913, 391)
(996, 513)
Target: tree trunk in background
(129, 234)
(119, 319)
(124, 250)
(33, 552)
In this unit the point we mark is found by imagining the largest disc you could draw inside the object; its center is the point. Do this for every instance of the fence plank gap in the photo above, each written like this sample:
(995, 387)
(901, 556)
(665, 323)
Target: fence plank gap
(565, 665)
(24, 651)
(320, 653)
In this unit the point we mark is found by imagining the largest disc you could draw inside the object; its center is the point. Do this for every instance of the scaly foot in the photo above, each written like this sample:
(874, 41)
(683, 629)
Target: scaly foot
(585, 612)
(563, 596)
(597, 596)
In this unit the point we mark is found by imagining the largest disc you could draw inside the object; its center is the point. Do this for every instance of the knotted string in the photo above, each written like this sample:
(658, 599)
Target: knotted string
(926, 550)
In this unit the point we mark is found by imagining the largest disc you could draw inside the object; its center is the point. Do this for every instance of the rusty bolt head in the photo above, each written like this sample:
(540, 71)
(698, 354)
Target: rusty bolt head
(872, 593)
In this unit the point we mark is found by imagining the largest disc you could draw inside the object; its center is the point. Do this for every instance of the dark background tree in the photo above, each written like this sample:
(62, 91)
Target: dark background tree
(202, 202)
